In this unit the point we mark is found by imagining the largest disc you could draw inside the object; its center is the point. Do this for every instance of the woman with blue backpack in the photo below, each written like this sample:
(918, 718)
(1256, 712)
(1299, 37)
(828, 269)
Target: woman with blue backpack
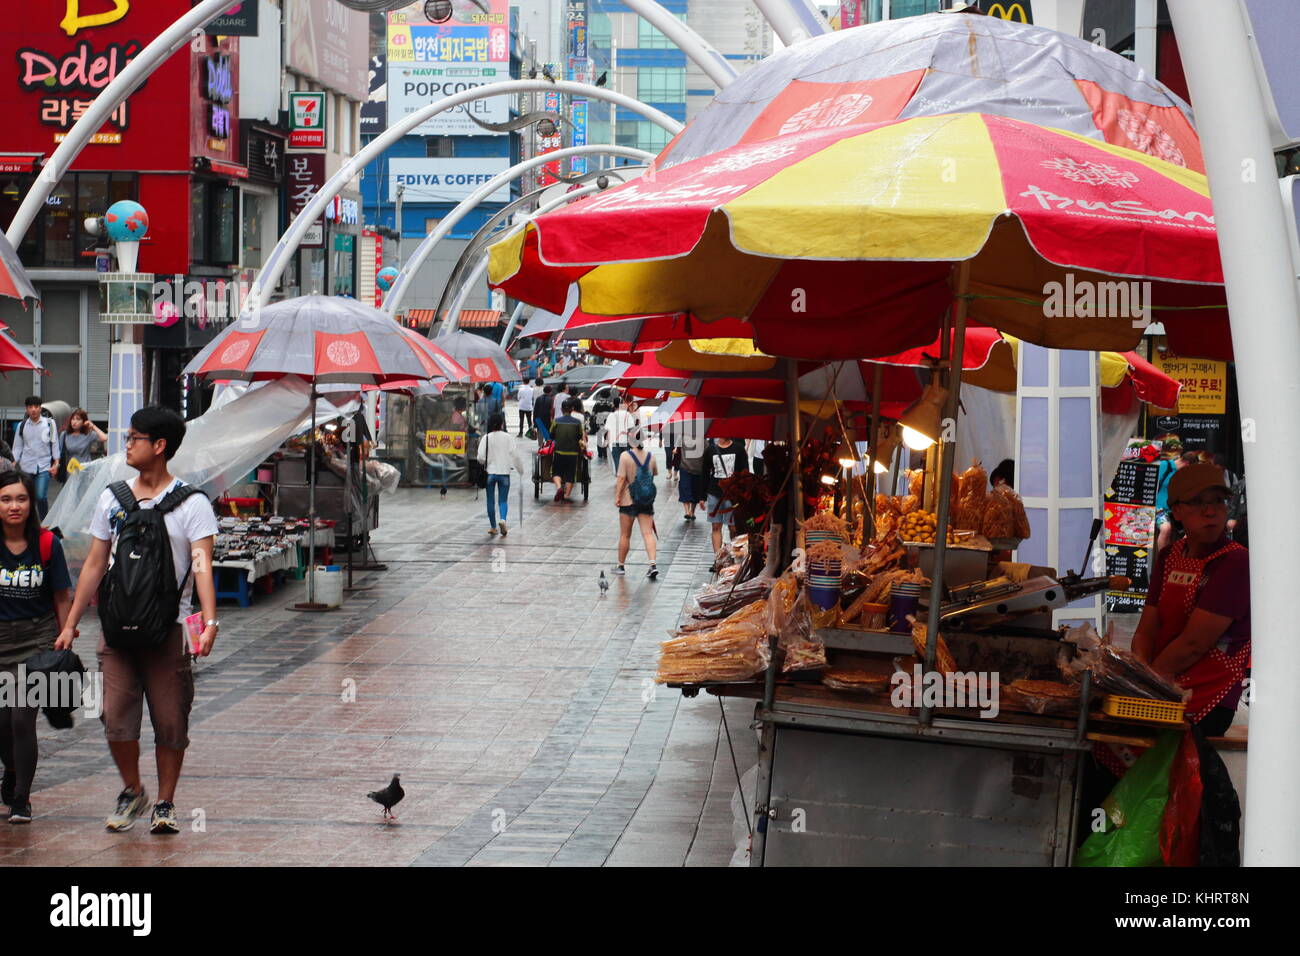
(634, 494)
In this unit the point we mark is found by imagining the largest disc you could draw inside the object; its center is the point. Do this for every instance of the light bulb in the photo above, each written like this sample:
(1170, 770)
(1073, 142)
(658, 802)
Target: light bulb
(828, 479)
(915, 440)
(879, 468)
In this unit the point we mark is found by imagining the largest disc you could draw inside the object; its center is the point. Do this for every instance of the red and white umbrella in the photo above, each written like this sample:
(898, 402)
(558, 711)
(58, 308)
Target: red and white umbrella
(14, 282)
(324, 339)
(485, 360)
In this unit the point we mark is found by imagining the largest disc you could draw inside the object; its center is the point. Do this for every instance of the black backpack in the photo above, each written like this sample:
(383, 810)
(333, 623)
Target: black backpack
(139, 598)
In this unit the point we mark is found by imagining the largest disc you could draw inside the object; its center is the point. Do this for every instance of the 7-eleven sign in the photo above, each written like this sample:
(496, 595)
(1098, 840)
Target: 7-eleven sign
(306, 120)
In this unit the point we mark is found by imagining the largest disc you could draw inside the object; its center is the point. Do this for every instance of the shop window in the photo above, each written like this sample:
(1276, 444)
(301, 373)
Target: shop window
(198, 221)
(438, 147)
(57, 237)
(661, 85)
(59, 228)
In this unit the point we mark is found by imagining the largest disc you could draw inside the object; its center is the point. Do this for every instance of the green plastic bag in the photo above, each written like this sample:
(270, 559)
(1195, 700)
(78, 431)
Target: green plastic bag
(1134, 810)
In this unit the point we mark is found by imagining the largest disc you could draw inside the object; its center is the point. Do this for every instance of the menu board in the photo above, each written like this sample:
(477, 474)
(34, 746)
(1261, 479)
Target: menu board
(1130, 516)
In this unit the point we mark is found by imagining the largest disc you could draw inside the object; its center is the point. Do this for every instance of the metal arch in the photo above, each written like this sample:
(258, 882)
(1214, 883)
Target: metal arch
(713, 63)
(278, 259)
(137, 71)
(453, 314)
(481, 238)
(412, 266)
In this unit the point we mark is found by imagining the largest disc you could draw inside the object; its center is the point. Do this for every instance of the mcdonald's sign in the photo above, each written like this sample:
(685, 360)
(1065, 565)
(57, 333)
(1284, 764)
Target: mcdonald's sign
(1016, 12)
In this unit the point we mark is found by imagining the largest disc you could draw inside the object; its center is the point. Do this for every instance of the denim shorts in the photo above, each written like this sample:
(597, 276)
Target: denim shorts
(716, 505)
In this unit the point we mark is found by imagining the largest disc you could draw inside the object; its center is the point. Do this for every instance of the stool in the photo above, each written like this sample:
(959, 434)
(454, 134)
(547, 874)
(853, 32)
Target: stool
(233, 583)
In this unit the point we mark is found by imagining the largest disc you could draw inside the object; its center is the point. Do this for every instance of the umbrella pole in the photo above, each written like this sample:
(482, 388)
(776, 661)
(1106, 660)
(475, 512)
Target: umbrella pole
(947, 452)
(310, 604)
(873, 448)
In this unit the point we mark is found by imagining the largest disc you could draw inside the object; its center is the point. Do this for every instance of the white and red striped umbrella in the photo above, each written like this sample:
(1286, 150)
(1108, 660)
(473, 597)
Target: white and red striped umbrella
(326, 339)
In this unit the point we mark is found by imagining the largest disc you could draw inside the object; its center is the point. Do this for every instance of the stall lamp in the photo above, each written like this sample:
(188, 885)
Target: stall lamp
(879, 468)
(923, 421)
(829, 479)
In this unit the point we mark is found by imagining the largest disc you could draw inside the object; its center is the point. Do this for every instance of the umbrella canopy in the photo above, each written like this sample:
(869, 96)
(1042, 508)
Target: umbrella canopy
(14, 358)
(485, 360)
(945, 63)
(839, 243)
(13, 278)
(323, 338)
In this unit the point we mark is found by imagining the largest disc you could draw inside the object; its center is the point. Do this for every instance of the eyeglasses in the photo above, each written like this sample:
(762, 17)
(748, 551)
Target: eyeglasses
(131, 439)
(1204, 502)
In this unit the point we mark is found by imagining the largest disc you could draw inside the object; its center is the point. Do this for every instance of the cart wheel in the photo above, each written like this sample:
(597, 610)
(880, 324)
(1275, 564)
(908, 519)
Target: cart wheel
(690, 691)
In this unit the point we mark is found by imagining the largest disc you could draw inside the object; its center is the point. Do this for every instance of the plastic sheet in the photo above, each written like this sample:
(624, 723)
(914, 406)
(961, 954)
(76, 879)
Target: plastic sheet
(221, 447)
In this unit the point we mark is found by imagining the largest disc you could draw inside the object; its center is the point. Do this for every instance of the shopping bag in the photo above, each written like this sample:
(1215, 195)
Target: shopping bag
(1134, 811)
(547, 449)
(1180, 829)
(1220, 809)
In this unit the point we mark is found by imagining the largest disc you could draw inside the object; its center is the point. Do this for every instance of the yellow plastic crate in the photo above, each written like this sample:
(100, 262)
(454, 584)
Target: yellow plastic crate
(1139, 708)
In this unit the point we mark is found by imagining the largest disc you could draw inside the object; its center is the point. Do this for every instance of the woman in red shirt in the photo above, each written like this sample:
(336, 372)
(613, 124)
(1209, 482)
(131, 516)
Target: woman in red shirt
(1195, 627)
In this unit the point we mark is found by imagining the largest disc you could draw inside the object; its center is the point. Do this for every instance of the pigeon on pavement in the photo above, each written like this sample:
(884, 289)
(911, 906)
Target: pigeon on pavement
(604, 584)
(389, 797)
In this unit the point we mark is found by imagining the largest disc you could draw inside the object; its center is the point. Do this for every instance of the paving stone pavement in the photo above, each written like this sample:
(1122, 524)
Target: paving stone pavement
(517, 703)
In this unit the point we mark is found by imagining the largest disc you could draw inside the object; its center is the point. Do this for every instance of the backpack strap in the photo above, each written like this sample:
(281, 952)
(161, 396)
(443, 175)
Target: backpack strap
(46, 545)
(174, 498)
(122, 492)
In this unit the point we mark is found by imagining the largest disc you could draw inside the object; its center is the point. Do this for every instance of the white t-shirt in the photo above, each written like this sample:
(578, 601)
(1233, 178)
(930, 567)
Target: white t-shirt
(192, 521)
(618, 425)
(525, 398)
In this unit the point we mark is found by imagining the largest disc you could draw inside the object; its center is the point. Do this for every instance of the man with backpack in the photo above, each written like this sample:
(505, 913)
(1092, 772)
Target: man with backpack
(634, 494)
(36, 450)
(158, 531)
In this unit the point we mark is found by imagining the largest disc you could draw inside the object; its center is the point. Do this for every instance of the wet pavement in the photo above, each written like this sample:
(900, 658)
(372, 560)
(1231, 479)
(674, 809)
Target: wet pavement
(516, 702)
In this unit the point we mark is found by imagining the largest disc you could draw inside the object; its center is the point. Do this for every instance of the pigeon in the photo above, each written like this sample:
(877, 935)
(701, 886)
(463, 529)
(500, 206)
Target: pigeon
(604, 584)
(532, 74)
(442, 492)
(603, 78)
(389, 797)
(546, 72)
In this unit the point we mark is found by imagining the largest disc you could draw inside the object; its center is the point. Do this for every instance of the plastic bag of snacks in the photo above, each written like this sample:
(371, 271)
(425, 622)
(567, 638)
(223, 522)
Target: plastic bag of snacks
(916, 481)
(1019, 518)
(972, 497)
(998, 520)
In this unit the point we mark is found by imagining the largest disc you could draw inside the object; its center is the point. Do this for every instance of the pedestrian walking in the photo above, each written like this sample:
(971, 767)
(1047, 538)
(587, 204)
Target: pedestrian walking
(755, 448)
(634, 494)
(35, 597)
(618, 427)
(498, 454)
(723, 459)
(525, 399)
(570, 442)
(692, 487)
(36, 451)
(561, 396)
(543, 413)
(144, 654)
(83, 441)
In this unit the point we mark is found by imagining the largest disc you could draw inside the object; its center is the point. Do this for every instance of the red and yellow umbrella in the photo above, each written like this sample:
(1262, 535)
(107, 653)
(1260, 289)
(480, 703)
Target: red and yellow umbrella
(839, 243)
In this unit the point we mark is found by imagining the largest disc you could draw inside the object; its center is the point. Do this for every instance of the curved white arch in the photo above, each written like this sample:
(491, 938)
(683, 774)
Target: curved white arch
(453, 312)
(411, 268)
(713, 63)
(278, 259)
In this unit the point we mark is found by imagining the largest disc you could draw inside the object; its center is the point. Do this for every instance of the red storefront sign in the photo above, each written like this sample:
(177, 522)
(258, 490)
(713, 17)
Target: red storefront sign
(58, 56)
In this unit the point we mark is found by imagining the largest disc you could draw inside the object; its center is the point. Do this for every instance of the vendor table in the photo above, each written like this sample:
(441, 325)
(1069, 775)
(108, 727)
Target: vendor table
(860, 783)
(235, 576)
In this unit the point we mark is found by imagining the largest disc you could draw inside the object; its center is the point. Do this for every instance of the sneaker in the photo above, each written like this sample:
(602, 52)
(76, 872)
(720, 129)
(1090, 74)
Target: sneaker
(164, 818)
(619, 570)
(502, 526)
(129, 806)
(492, 532)
(7, 787)
(652, 573)
(21, 812)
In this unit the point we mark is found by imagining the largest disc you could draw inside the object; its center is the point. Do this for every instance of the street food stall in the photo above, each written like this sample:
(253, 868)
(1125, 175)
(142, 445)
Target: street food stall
(838, 242)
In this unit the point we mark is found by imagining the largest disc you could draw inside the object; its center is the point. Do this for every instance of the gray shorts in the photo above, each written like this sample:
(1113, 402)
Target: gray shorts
(162, 676)
(715, 504)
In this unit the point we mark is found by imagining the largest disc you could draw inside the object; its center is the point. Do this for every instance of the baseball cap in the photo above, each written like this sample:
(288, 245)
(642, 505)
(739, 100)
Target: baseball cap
(1190, 481)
